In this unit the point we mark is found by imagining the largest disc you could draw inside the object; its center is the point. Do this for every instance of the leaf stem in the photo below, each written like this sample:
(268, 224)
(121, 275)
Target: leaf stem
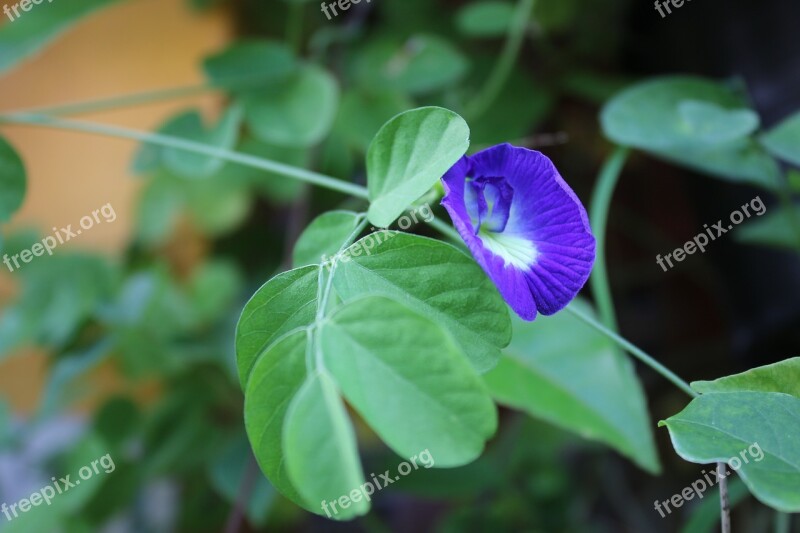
(601, 202)
(504, 66)
(782, 522)
(116, 102)
(635, 351)
(282, 169)
(724, 503)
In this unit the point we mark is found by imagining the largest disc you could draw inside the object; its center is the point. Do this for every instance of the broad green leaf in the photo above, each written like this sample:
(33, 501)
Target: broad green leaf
(32, 30)
(420, 65)
(776, 228)
(408, 156)
(190, 126)
(277, 376)
(714, 124)
(783, 141)
(742, 161)
(286, 302)
(648, 115)
(756, 432)
(215, 206)
(661, 116)
(250, 62)
(783, 377)
(436, 280)
(13, 183)
(363, 112)
(408, 380)
(560, 370)
(485, 18)
(296, 113)
(324, 237)
(320, 448)
(159, 209)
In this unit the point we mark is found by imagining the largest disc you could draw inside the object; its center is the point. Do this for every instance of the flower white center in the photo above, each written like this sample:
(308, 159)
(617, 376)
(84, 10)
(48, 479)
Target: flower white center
(516, 251)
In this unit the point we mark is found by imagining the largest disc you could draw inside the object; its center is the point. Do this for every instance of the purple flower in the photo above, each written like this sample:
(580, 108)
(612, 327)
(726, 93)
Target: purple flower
(524, 226)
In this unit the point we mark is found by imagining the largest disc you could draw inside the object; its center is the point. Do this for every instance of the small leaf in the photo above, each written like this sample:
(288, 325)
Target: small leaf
(277, 376)
(408, 156)
(285, 303)
(420, 65)
(559, 370)
(323, 238)
(32, 30)
(757, 430)
(652, 116)
(13, 182)
(189, 126)
(320, 448)
(436, 280)
(485, 19)
(714, 124)
(773, 229)
(783, 141)
(249, 63)
(648, 115)
(296, 113)
(783, 377)
(408, 380)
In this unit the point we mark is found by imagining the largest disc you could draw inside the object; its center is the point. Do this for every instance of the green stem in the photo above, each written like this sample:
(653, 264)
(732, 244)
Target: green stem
(601, 203)
(785, 197)
(190, 146)
(294, 26)
(635, 351)
(445, 229)
(782, 522)
(117, 102)
(497, 79)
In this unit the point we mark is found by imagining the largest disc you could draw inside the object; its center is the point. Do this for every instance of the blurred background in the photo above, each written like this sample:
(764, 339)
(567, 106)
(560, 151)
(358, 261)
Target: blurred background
(122, 342)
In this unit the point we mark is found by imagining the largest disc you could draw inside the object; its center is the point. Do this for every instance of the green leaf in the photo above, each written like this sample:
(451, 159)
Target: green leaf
(408, 156)
(773, 229)
(756, 433)
(560, 370)
(285, 303)
(421, 65)
(189, 126)
(663, 116)
(407, 378)
(32, 30)
(277, 376)
(296, 113)
(363, 112)
(648, 115)
(783, 141)
(436, 280)
(13, 183)
(323, 238)
(783, 377)
(485, 19)
(250, 62)
(320, 448)
(714, 124)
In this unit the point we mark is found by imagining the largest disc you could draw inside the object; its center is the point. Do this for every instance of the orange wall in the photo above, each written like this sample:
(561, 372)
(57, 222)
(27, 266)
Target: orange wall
(132, 47)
